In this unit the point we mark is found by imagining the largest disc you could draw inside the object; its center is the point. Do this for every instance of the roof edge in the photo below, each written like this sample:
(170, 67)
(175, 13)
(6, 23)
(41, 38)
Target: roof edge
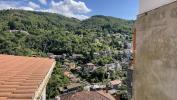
(142, 13)
(43, 85)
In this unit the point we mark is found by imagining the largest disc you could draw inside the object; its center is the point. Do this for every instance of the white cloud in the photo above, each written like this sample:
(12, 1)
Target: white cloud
(43, 2)
(25, 8)
(8, 5)
(13, 5)
(69, 8)
(33, 5)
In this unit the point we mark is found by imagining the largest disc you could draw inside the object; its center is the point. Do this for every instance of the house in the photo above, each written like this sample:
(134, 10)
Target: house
(75, 80)
(114, 66)
(97, 87)
(118, 66)
(105, 53)
(89, 67)
(115, 84)
(67, 74)
(76, 56)
(127, 45)
(87, 95)
(70, 65)
(78, 68)
(87, 88)
(73, 87)
(57, 57)
(71, 76)
(112, 91)
(24, 78)
(22, 31)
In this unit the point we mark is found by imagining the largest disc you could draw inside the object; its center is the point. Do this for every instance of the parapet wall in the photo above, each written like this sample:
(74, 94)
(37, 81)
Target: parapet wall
(147, 5)
(155, 73)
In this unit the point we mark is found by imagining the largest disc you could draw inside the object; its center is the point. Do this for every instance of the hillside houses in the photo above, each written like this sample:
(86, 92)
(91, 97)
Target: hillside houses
(89, 67)
(22, 31)
(69, 65)
(76, 56)
(57, 57)
(71, 76)
(114, 66)
(74, 87)
(103, 53)
(115, 84)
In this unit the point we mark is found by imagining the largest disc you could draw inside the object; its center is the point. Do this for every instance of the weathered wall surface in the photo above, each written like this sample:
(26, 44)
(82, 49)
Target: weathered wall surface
(147, 5)
(155, 73)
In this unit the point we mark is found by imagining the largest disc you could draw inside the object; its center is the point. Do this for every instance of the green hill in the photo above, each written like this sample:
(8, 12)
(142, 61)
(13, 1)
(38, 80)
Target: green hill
(40, 33)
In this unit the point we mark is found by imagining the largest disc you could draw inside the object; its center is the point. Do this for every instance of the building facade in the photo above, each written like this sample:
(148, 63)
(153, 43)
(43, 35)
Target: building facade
(155, 67)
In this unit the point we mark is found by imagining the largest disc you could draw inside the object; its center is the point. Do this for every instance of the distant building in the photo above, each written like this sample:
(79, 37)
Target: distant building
(87, 95)
(76, 56)
(57, 57)
(71, 76)
(105, 53)
(67, 74)
(114, 66)
(70, 65)
(115, 84)
(22, 31)
(127, 45)
(73, 87)
(78, 68)
(89, 67)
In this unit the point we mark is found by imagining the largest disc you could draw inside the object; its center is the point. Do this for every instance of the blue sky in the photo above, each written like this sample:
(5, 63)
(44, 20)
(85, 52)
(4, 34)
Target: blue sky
(126, 9)
(80, 9)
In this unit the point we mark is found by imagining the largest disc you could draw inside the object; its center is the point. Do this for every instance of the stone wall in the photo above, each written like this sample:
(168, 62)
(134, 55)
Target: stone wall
(155, 73)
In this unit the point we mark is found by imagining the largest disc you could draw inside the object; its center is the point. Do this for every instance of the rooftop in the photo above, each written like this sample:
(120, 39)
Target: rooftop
(115, 82)
(88, 95)
(23, 78)
(90, 64)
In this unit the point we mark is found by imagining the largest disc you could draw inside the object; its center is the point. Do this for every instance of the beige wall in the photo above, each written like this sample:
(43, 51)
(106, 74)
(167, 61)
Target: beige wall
(147, 5)
(155, 73)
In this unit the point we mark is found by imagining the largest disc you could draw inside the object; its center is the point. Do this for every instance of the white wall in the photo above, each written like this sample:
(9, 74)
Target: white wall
(147, 5)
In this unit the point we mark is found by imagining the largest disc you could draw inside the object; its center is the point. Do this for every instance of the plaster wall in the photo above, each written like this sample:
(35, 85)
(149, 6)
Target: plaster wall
(147, 5)
(155, 71)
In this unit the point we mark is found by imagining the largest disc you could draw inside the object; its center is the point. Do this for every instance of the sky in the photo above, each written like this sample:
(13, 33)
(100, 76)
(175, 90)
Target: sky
(80, 9)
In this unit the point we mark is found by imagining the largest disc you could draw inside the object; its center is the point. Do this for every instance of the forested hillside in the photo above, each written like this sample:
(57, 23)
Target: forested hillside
(100, 39)
(38, 33)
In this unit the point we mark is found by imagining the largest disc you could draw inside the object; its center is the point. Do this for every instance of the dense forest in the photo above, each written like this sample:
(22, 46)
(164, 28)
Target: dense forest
(37, 33)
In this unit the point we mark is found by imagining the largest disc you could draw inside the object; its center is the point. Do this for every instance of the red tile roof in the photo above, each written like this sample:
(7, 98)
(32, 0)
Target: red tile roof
(20, 77)
(88, 95)
(116, 82)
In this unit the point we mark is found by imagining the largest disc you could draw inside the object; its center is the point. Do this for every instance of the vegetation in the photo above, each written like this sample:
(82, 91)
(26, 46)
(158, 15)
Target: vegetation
(46, 32)
(57, 80)
(38, 33)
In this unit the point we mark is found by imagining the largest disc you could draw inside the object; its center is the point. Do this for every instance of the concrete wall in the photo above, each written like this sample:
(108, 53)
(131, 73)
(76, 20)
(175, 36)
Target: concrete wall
(155, 73)
(147, 5)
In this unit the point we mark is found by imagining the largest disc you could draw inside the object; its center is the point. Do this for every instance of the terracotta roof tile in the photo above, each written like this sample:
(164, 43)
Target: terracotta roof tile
(88, 95)
(115, 82)
(20, 76)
